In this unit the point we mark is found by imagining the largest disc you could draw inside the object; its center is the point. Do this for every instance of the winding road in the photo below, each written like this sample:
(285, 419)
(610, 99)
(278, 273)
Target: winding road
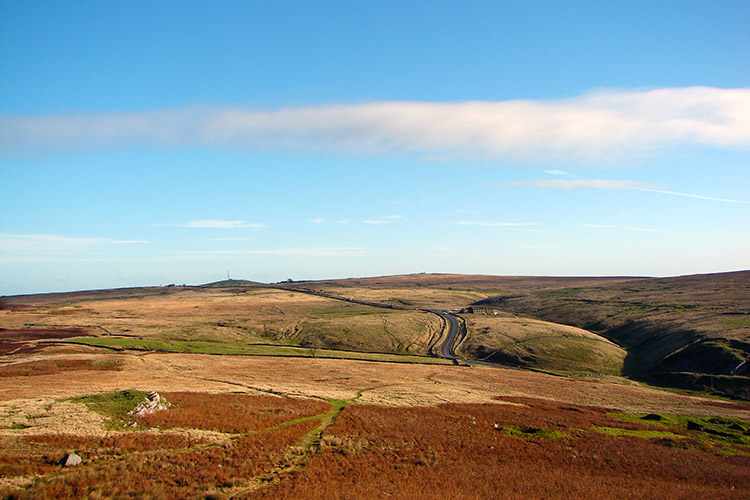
(452, 326)
(451, 321)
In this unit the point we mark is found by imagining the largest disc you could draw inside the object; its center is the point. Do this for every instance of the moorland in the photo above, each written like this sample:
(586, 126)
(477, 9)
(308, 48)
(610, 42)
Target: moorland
(614, 387)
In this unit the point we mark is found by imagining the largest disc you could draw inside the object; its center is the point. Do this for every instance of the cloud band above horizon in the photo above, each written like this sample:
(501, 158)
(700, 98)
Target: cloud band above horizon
(608, 184)
(617, 124)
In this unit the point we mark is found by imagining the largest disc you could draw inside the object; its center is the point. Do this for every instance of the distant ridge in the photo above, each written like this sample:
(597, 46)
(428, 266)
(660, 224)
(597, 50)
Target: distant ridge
(230, 282)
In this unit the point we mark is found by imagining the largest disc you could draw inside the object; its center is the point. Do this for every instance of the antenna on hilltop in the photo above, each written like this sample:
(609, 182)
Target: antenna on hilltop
(228, 278)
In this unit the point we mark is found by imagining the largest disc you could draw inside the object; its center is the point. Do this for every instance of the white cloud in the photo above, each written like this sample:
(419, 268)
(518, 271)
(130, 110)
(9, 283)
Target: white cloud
(223, 224)
(496, 224)
(639, 229)
(608, 184)
(45, 243)
(232, 239)
(557, 172)
(698, 196)
(578, 183)
(317, 221)
(599, 125)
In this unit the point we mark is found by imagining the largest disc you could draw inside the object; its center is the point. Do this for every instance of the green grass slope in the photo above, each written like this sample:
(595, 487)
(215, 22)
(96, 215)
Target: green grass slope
(679, 331)
(539, 345)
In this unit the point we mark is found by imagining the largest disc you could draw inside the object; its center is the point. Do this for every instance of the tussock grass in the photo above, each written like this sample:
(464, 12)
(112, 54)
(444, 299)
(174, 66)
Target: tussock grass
(539, 344)
(641, 433)
(264, 432)
(223, 348)
(527, 432)
(723, 430)
(113, 405)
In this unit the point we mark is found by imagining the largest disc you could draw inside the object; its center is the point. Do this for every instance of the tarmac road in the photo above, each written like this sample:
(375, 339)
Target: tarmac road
(446, 349)
(451, 322)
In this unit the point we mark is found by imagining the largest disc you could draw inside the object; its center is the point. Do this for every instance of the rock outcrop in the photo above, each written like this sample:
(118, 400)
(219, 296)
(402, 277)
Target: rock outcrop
(151, 404)
(70, 460)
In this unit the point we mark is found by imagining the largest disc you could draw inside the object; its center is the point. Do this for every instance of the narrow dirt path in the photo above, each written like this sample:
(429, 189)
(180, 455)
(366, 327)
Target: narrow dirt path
(300, 453)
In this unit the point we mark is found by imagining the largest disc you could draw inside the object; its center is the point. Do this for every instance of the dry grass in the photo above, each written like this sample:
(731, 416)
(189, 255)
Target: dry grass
(153, 468)
(368, 329)
(678, 331)
(654, 318)
(407, 296)
(173, 463)
(234, 317)
(418, 431)
(45, 415)
(411, 446)
(539, 344)
(383, 383)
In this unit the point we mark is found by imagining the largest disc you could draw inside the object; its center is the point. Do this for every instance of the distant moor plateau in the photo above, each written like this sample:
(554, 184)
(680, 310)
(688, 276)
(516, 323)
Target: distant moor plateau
(411, 386)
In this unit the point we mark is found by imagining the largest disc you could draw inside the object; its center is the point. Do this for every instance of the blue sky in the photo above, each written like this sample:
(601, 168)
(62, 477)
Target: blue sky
(147, 144)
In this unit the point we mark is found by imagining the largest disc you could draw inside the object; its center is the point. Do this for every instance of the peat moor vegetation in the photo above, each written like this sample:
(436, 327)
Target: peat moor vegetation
(554, 388)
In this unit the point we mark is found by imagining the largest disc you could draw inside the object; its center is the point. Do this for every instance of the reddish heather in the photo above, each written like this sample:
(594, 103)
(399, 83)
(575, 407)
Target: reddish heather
(460, 452)
(19, 340)
(231, 412)
(147, 466)
(52, 366)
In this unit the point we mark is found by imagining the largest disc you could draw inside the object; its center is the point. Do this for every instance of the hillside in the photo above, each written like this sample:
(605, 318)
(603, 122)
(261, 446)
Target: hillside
(228, 318)
(689, 331)
(530, 343)
(258, 408)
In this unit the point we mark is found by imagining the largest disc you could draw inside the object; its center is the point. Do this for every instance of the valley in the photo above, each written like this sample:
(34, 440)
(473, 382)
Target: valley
(353, 388)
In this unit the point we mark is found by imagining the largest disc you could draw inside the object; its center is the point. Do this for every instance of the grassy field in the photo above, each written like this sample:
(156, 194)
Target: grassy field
(226, 445)
(539, 344)
(280, 394)
(255, 427)
(226, 348)
(680, 331)
(228, 321)
(688, 331)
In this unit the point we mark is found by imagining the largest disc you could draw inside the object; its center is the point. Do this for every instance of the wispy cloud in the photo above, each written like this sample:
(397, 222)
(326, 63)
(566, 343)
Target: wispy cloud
(186, 256)
(193, 256)
(233, 239)
(597, 125)
(616, 185)
(698, 196)
(638, 229)
(317, 221)
(313, 251)
(496, 224)
(388, 219)
(223, 224)
(557, 172)
(542, 247)
(44, 243)
(578, 184)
